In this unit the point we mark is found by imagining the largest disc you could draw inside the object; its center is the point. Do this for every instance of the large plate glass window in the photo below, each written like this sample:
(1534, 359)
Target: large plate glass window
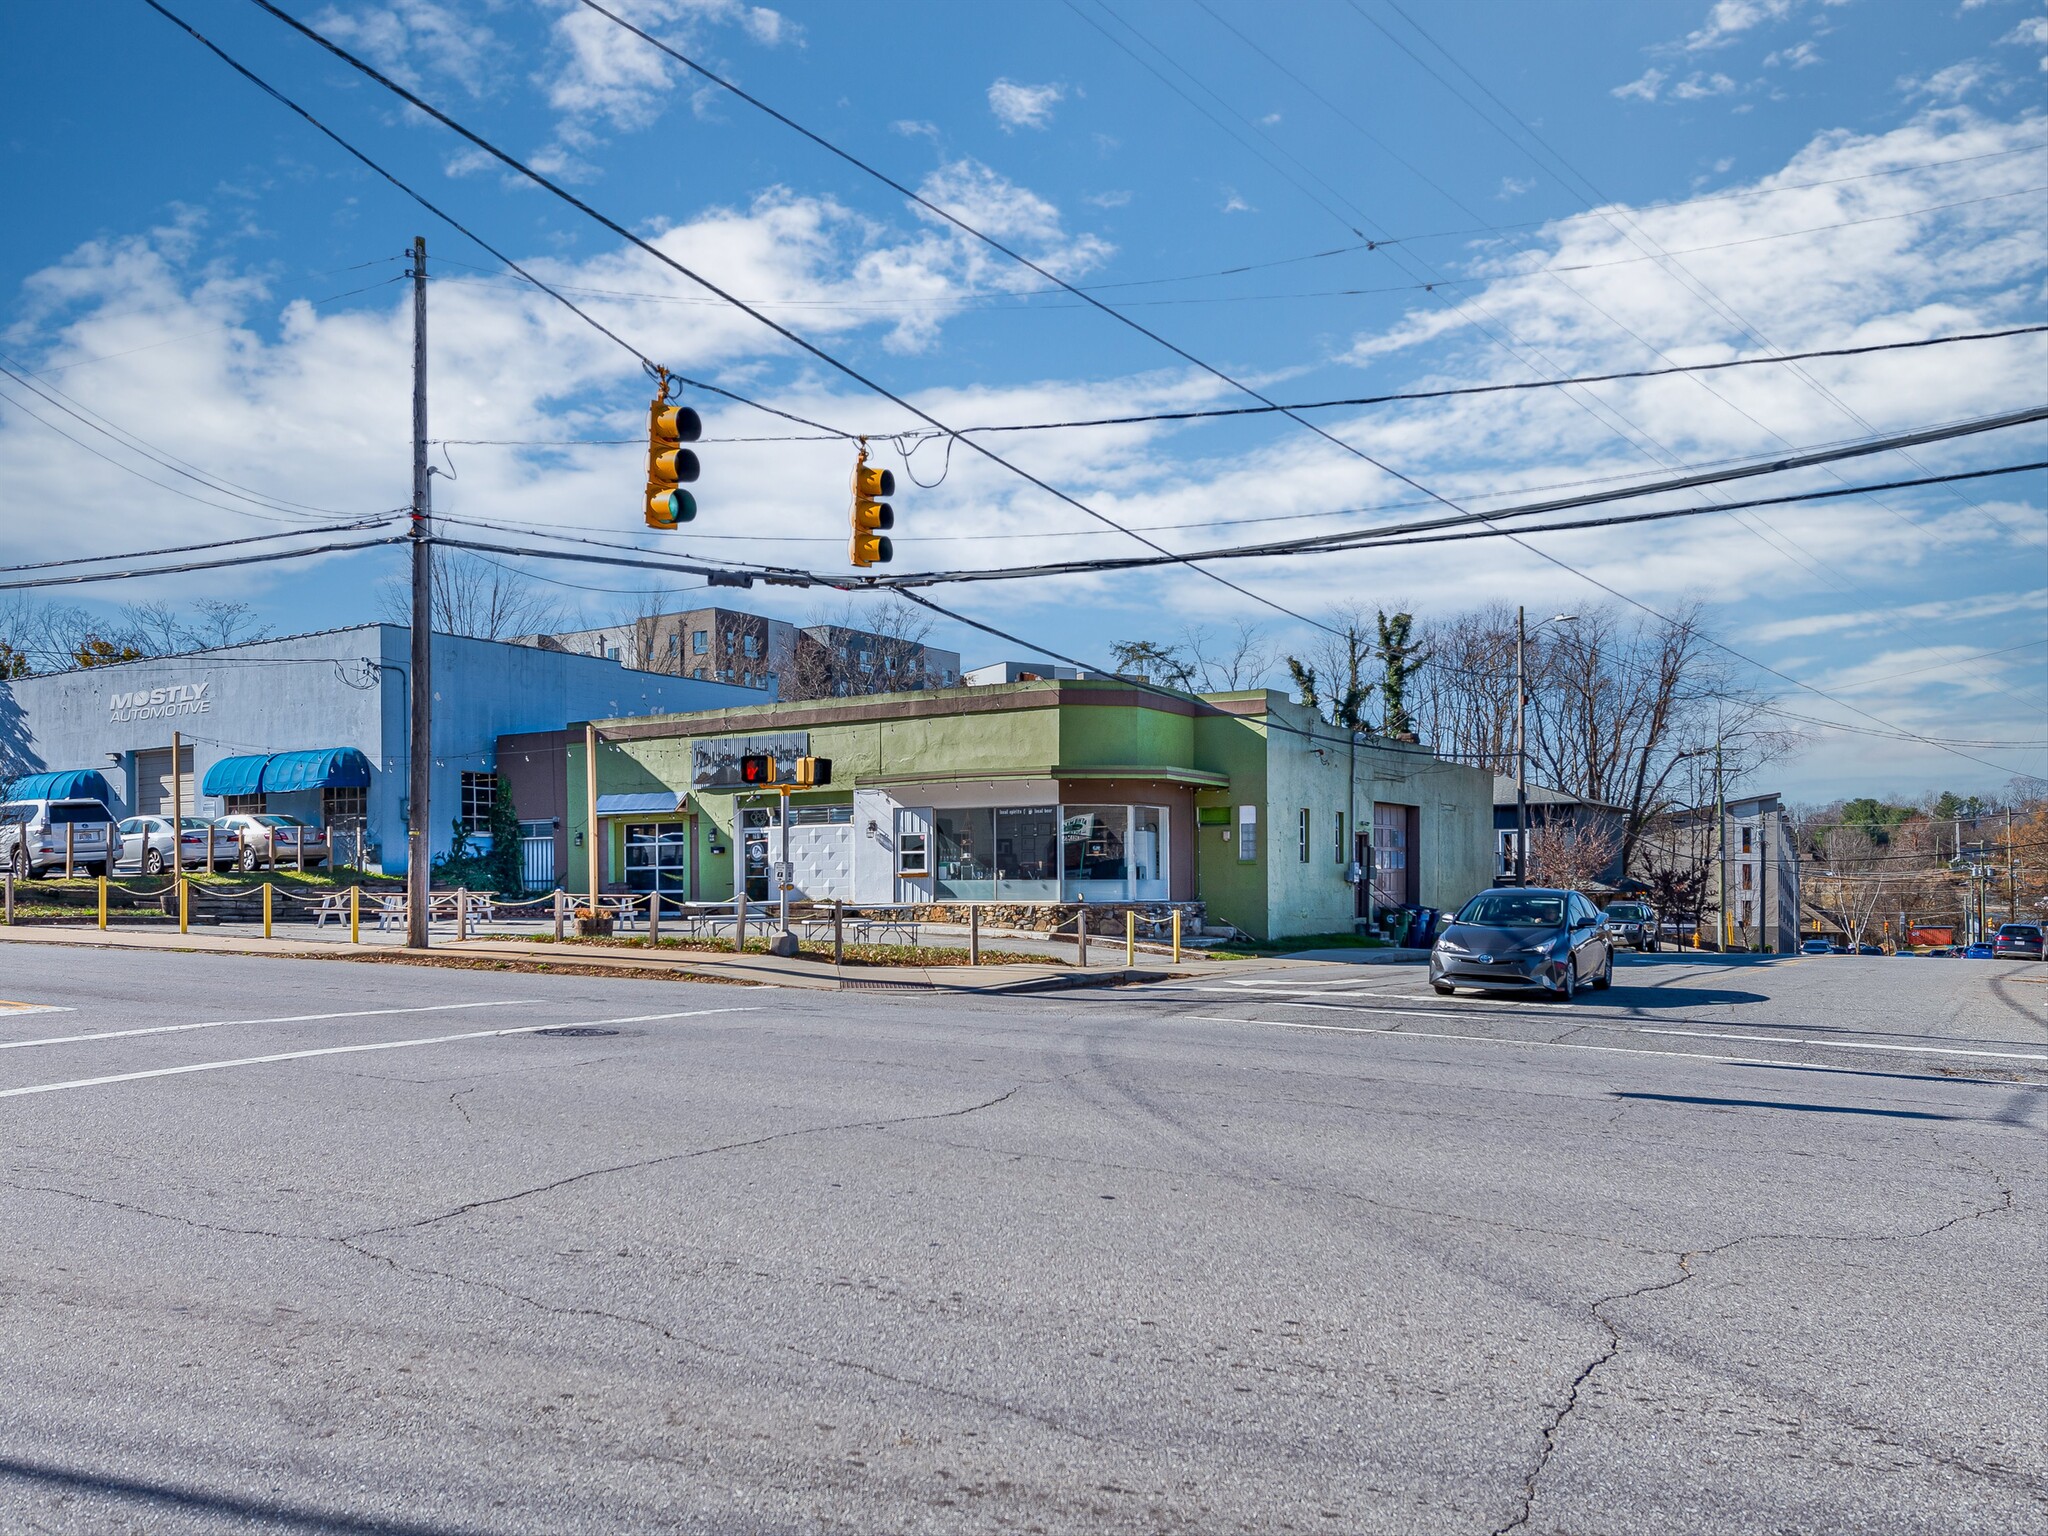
(755, 823)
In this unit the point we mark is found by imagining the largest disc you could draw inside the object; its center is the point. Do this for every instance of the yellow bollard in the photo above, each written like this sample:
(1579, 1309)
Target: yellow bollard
(1176, 937)
(103, 902)
(1130, 937)
(184, 903)
(266, 909)
(355, 914)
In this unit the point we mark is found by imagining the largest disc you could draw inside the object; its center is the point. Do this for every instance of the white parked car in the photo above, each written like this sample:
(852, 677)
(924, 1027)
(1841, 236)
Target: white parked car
(144, 843)
(275, 840)
(33, 833)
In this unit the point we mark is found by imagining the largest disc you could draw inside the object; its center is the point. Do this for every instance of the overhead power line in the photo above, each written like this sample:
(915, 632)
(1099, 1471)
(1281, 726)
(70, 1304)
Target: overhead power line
(186, 549)
(198, 565)
(453, 223)
(785, 332)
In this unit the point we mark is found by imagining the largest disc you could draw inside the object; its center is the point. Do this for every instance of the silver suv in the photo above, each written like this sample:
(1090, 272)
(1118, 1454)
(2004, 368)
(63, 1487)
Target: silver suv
(33, 835)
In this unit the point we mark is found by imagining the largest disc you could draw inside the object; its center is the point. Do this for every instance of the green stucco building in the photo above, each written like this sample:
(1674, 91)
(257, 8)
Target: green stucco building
(1057, 791)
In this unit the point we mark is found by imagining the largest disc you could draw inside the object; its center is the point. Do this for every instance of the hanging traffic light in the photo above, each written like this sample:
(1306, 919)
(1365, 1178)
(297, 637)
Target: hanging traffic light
(670, 465)
(870, 515)
(813, 772)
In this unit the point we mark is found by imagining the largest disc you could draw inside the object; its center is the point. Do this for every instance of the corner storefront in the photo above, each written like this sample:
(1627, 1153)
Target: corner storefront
(1037, 792)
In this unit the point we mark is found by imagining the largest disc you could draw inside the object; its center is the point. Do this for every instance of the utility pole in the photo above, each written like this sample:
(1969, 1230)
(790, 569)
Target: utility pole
(1721, 850)
(2012, 874)
(419, 850)
(1521, 752)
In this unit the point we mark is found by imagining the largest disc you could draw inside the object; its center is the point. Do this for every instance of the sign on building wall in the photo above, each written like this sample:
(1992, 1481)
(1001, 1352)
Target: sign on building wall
(715, 764)
(159, 703)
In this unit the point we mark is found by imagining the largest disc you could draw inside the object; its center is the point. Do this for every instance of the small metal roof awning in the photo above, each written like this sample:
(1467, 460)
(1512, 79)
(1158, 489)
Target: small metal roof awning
(71, 784)
(322, 768)
(279, 773)
(234, 776)
(665, 802)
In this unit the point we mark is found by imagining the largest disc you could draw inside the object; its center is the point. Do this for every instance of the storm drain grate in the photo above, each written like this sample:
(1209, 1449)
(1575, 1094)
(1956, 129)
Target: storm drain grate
(577, 1030)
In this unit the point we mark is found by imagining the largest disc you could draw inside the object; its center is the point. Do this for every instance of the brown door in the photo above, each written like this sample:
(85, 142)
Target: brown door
(1393, 846)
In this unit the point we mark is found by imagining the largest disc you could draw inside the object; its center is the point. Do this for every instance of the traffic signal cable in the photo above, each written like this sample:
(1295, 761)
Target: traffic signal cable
(450, 220)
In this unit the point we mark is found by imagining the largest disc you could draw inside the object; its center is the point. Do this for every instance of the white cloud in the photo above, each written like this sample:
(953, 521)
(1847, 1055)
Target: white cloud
(1798, 56)
(1233, 202)
(606, 78)
(912, 128)
(1730, 18)
(1698, 86)
(1952, 83)
(1270, 120)
(1644, 86)
(1515, 186)
(1023, 106)
(404, 37)
(1117, 198)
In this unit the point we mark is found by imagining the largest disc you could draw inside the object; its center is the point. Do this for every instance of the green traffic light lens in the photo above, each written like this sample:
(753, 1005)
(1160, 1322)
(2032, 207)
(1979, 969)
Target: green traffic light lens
(682, 506)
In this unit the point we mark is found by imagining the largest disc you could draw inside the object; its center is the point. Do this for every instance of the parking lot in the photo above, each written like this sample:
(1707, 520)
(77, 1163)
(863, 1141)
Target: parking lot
(308, 1245)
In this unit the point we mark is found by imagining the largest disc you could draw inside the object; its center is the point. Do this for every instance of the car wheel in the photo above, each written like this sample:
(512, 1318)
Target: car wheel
(152, 863)
(248, 861)
(18, 863)
(1570, 989)
(1442, 988)
(1606, 977)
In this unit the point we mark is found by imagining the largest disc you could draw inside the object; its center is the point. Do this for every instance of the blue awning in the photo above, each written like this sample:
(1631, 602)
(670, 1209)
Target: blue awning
(279, 773)
(234, 776)
(325, 768)
(662, 803)
(72, 784)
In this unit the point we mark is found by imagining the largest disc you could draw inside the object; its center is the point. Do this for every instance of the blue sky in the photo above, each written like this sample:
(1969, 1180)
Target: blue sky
(203, 271)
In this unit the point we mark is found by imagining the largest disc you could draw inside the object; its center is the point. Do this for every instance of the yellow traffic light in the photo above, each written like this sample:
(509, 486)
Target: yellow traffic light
(669, 464)
(870, 515)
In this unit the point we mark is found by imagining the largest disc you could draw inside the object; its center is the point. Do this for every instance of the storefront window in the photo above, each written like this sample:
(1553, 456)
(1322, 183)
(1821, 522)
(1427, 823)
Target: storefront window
(1004, 854)
(1093, 861)
(1148, 853)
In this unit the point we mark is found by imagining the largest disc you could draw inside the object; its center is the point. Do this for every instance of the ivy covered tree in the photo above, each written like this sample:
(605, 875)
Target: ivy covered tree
(1402, 658)
(507, 872)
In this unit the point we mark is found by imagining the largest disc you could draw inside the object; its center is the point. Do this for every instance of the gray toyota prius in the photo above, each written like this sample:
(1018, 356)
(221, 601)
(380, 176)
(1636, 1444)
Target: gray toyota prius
(1518, 939)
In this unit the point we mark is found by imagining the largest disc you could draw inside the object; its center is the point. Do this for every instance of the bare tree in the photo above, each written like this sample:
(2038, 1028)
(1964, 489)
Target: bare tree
(1464, 699)
(1331, 675)
(219, 621)
(1851, 886)
(878, 649)
(1572, 854)
(1236, 659)
(1155, 662)
(478, 598)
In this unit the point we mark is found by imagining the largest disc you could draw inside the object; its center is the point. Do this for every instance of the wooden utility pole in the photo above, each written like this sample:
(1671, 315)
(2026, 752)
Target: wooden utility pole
(419, 847)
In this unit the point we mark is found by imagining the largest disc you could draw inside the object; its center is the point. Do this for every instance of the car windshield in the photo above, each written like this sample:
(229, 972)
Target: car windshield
(1514, 909)
(280, 821)
(1627, 911)
(83, 810)
(194, 823)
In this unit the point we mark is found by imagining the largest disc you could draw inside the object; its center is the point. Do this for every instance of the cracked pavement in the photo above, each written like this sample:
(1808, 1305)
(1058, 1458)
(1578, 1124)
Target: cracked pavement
(1736, 1246)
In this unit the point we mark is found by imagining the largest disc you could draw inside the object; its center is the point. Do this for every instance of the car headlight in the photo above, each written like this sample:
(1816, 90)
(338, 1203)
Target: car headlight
(1450, 946)
(1556, 944)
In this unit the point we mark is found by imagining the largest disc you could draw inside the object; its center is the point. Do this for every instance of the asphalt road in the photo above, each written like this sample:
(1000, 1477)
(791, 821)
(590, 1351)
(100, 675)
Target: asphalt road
(331, 1246)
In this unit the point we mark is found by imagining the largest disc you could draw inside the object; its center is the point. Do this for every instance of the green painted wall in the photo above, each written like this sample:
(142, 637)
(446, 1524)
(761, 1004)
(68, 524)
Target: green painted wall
(1234, 889)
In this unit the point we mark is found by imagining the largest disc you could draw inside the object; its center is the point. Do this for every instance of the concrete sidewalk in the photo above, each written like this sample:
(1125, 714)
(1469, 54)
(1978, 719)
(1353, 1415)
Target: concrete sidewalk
(724, 965)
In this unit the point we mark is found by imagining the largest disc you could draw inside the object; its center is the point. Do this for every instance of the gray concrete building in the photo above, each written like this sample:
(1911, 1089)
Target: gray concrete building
(315, 726)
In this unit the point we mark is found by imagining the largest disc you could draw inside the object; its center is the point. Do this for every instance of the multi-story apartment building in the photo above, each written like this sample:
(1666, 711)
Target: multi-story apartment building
(728, 645)
(1754, 859)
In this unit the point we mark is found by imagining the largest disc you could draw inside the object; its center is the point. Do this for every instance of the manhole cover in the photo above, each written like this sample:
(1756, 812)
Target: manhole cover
(575, 1029)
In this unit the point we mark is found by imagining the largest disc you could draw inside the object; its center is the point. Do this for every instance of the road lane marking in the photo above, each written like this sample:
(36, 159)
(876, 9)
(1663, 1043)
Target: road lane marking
(1541, 1045)
(1849, 1045)
(296, 1018)
(345, 1050)
(1634, 1029)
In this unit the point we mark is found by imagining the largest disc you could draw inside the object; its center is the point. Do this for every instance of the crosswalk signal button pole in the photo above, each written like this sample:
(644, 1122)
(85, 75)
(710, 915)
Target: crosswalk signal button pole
(670, 465)
(871, 515)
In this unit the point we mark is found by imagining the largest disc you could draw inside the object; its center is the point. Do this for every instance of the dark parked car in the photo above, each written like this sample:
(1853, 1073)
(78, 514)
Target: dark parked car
(2018, 941)
(1631, 923)
(1869, 949)
(1816, 947)
(1526, 940)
